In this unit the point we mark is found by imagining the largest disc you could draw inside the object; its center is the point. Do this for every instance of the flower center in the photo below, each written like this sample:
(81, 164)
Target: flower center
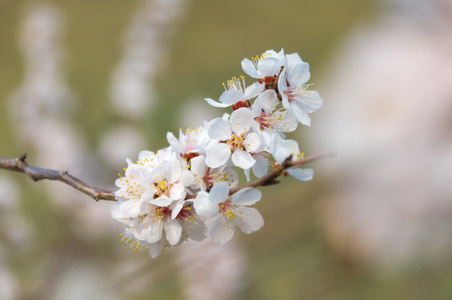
(162, 188)
(227, 209)
(265, 120)
(236, 142)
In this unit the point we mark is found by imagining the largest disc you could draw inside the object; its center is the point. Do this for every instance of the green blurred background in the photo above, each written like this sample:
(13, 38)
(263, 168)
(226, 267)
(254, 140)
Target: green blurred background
(290, 257)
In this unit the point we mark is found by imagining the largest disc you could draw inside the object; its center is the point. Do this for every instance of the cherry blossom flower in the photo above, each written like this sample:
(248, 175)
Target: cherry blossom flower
(267, 121)
(235, 140)
(265, 67)
(191, 144)
(205, 177)
(236, 94)
(282, 150)
(233, 213)
(295, 95)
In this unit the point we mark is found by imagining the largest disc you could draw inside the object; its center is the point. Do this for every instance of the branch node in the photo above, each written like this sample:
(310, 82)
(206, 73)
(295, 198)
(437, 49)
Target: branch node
(23, 157)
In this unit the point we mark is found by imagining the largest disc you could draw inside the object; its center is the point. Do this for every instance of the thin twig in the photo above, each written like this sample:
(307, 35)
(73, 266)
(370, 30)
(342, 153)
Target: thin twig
(36, 174)
(276, 171)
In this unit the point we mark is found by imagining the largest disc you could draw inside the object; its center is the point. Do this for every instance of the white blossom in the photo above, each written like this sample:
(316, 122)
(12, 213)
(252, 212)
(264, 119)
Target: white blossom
(232, 213)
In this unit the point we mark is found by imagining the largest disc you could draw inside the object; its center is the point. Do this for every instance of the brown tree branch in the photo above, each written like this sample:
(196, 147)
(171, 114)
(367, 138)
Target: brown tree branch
(36, 174)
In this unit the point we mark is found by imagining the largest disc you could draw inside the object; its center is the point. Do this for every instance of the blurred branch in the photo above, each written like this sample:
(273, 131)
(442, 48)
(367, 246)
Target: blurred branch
(36, 174)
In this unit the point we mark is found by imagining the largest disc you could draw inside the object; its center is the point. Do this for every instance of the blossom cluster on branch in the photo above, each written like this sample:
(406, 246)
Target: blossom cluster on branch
(165, 197)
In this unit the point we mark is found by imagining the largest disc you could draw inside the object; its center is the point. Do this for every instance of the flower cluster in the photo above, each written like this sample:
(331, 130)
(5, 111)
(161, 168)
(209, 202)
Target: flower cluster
(165, 197)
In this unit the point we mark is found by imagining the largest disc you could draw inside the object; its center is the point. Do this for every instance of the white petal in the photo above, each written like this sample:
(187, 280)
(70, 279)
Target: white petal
(196, 232)
(186, 178)
(221, 231)
(155, 249)
(173, 141)
(269, 66)
(247, 174)
(301, 174)
(242, 159)
(252, 142)
(162, 201)
(153, 232)
(215, 103)
(219, 129)
(198, 166)
(173, 231)
(260, 168)
(251, 219)
(231, 96)
(176, 207)
(241, 120)
(246, 196)
(309, 101)
(219, 192)
(269, 100)
(130, 208)
(299, 74)
(300, 114)
(249, 68)
(218, 155)
(204, 207)
(254, 90)
(282, 83)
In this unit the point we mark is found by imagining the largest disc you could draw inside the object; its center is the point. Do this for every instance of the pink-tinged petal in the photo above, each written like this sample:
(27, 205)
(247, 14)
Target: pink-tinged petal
(221, 231)
(242, 159)
(218, 155)
(251, 219)
(155, 249)
(252, 142)
(219, 129)
(249, 68)
(215, 103)
(219, 192)
(246, 196)
(241, 120)
(231, 96)
(204, 207)
(254, 90)
(301, 174)
(173, 231)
